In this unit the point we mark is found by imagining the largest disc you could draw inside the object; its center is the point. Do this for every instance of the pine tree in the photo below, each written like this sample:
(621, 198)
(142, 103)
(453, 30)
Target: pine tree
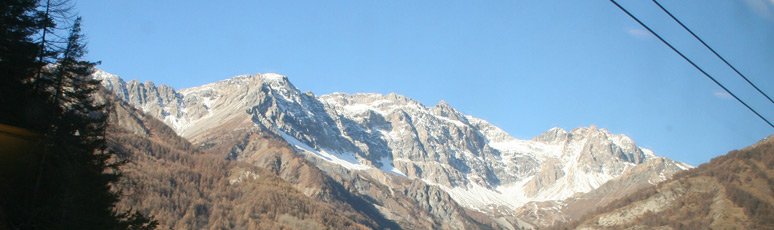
(79, 127)
(76, 139)
(20, 106)
(19, 21)
(65, 183)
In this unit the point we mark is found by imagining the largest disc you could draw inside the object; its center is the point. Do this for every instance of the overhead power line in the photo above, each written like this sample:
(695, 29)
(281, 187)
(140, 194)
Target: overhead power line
(691, 62)
(713, 51)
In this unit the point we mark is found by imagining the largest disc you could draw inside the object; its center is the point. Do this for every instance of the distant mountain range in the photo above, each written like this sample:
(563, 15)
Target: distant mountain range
(387, 160)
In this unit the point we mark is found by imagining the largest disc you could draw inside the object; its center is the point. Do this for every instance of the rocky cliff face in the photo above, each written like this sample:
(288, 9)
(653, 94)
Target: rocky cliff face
(478, 165)
(158, 101)
(463, 153)
(733, 191)
(184, 188)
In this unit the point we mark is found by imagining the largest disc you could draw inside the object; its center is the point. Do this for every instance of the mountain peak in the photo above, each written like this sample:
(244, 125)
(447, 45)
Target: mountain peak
(102, 75)
(110, 81)
(262, 76)
(586, 129)
(360, 102)
(444, 106)
(272, 80)
(443, 109)
(557, 130)
(554, 134)
(273, 77)
(469, 158)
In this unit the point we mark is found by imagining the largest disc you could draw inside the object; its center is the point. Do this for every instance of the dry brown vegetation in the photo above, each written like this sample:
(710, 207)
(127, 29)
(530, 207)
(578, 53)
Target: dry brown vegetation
(181, 188)
(731, 191)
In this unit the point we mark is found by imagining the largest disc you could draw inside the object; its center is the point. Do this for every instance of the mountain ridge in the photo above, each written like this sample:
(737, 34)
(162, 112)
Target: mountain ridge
(481, 166)
(729, 192)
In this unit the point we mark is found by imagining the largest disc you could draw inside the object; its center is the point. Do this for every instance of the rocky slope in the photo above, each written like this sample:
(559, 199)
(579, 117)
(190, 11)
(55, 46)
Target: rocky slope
(223, 183)
(409, 203)
(390, 139)
(734, 191)
(184, 188)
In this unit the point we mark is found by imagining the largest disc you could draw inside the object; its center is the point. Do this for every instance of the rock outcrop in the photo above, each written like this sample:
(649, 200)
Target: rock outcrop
(350, 136)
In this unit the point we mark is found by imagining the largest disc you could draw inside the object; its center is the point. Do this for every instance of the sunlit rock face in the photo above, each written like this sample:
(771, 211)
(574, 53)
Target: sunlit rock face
(478, 164)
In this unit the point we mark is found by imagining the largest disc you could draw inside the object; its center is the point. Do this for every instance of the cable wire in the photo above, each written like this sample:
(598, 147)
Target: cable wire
(691, 62)
(713, 51)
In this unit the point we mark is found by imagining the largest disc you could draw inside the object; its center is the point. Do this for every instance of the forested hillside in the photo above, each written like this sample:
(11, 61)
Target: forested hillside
(731, 191)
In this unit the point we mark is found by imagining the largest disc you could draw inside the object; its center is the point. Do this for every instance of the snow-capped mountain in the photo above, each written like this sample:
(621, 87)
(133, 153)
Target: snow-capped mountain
(478, 164)
(481, 165)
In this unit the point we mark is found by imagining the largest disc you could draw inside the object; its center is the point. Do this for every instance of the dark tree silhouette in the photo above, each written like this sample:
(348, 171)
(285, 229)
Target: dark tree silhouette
(65, 180)
(19, 21)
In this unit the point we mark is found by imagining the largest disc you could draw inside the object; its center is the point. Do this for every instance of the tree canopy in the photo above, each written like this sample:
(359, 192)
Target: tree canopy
(63, 179)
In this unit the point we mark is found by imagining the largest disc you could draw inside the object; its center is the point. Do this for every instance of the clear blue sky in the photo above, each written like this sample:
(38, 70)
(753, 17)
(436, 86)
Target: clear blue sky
(526, 66)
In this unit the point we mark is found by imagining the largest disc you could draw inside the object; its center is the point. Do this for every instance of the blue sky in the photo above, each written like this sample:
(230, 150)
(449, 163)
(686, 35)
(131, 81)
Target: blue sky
(526, 66)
